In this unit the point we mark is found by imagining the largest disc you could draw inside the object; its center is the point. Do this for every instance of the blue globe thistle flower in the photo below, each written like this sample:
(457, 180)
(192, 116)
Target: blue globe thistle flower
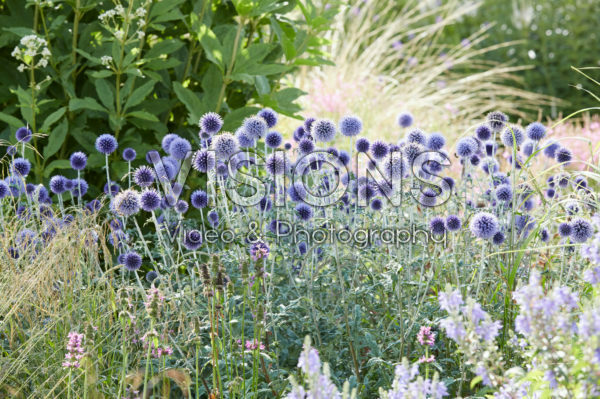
(528, 204)
(379, 149)
(563, 156)
(550, 148)
(150, 200)
(275, 164)
(411, 151)
(306, 146)
(550, 193)
(344, 157)
(13, 252)
(394, 166)
(222, 170)
(29, 189)
(78, 160)
(535, 131)
(308, 123)
(255, 127)
(302, 248)
(362, 145)
(211, 123)
(299, 133)
(24, 134)
(323, 130)
(580, 182)
(244, 139)
(372, 164)
(562, 181)
(127, 203)
(466, 147)
(572, 207)
(453, 223)
(497, 120)
(475, 160)
(166, 142)
(367, 192)
(376, 204)
(483, 132)
(564, 229)
(143, 176)
(192, 240)
(199, 199)
(449, 182)
(582, 230)
(428, 197)
(93, 206)
(498, 238)
(151, 156)
(504, 193)
(181, 207)
(333, 151)
(21, 167)
(405, 119)
(273, 139)
(203, 161)
(11, 150)
(529, 147)
(287, 146)
(416, 136)
(350, 126)
(511, 135)
(132, 261)
(106, 144)
(544, 235)
(179, 148)
(259, 250)
(551, 181)
(265, 204)
(58, 184)
(225, 145)
(151, 276)
(490, 149)
(490, 166)
(395, 148)
(436, 141)
(484, 225)
(304, 211)
(297, 191)
(213, 218)
(80, 187)
(129, 154)
(167, 169)
(437, 226)
(269, 116)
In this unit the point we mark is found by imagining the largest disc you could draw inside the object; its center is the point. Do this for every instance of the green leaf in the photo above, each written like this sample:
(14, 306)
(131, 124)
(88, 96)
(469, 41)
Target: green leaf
(105, 93)
(234, 119)
(52, 118)
(147, 116)
(262, 85)
(85, 103)
(190, 100)
(140, 94)
(163, 47)
(56, 138)
(11, 120)
(58, 164)
(104, 73)
(211, 84)
(211, 45)
(266, 69)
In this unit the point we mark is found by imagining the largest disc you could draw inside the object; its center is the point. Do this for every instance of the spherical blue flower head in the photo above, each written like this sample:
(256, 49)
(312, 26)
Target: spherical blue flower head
(225, 145)
(528, 204)
(490, 165)
(572, 207)
(394, 166)
(428, 197)
(106, 144)
(297, 191)
(269, 116)
(504, 193)
(199, 199)
(453, 223)
(436, 141)
(498, 238)
(299, 133)
(275, 164)
(490, 149)
(379, 149)
(211, 123)
(93, 206)
(448, 183)
(255, 127)
(362, 145)
(168, 201)
(306, 146)
(304, 211)
(536, 131)
(529, 147)
(372, 165)
(151, 155)
(244, 139)
(563, 156)
(511, 135)
(544, 235)
(80, 187)
(550, 193)
(24, 134)
(192, 240)
(405, 119)
(29, 189)
(302, 248)
(69, 184)
(203, 161)
(151, 276)
(11, 150)
(167, 140)
(376, 204)
(150, 200)
(350, 126)
(273, 139)
(265, 204)
(213, 218)
(367, 192)
(497, 120)
(308, 123)
(564, 229)
(323, 130)
(127, 203)
(222, 170)
(466, 147)
(179, 148)
(437, 226)
(484, 225)
(395, 148)
(132, 261)
(333, 151)
(483, 132)
(562, 181)
(78, 160)
(168, 169)
(416, 136)
(475, 160)
(550, 148)
(58, 184)
(580, 182)
(344, 157)
(181, 207)
(551, 180)
(21, 167)
(411, 151)
(129, 154)
(287, 146)
(15, 185)
(143, 176)
(582, 230)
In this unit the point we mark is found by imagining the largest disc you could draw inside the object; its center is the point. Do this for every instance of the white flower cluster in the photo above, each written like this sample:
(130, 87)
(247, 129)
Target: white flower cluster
(30, 47)
(116, 19)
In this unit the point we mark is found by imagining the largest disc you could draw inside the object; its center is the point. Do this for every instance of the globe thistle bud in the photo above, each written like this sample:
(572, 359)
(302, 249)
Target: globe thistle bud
(362, 145)
(304, 211)
(437, 226)
(466, 147)
(536, 131)
(255, 127)
(127, 203)
(203, 161)
(563, 156)
(483, 132)
(269, 116)
(512, 136)
(497, 120)
(132, 261)
(405, 119)
(179, 148)
(453, 223)
(273, 139)
(210, 123)
(150, 200)
(21, 167)
(199, 199)
(379, 149)
(581, 230)
(58, 184)
(350, 126)
(166, 142)
(23, 134)
(225, 145)
(436, 141)
(323, 130)
(106, 144)
(192, 240)
(143, 176)
(78, 160)
(484, 225)
(129, 154)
